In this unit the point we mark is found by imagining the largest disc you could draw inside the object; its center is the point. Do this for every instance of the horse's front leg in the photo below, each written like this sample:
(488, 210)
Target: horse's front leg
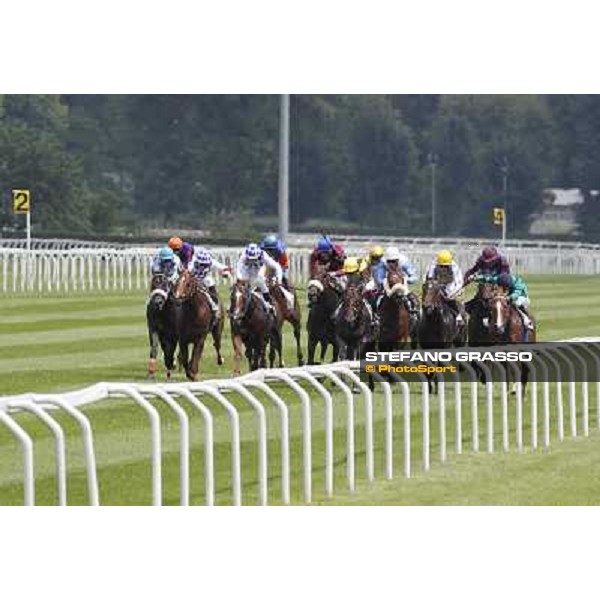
(152, 362)
(196, 356)
(183, 357)
(298, 336)
(217, 334)
(236, 340)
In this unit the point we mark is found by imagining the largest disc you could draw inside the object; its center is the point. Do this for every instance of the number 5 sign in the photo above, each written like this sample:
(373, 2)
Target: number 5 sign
(21, 202)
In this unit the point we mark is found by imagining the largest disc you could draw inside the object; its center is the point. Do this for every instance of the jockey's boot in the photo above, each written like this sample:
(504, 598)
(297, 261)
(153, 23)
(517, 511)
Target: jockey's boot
(285, 283)
(214, 297)
(527, 322)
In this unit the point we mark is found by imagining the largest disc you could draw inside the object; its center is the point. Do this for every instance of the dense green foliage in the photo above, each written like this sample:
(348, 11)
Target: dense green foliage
(103, 164)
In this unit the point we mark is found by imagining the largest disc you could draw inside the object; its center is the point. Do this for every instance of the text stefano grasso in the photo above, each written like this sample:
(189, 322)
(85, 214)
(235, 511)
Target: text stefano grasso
(441, 356)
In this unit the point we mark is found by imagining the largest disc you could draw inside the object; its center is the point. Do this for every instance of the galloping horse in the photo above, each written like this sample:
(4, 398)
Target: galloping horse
(195, 322)
(251, 325)
(353, 324)
(438, 327)
(161, 320)
(394, 319)
(324, 292)
(284, 312)
(480, 333)
(506, 325)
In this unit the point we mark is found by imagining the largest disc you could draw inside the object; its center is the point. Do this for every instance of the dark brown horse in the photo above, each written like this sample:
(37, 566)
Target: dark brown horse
(353, 323)
(195, 321)
(252, 326)
(438, 327)
(394, 318)
(285, 312)
(479, 308)
(324, 292)
(162, 326)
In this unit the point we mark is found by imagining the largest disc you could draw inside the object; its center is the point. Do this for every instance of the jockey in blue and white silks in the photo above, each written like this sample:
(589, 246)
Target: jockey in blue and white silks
(201, 265)
(251, 268)
(166, 263)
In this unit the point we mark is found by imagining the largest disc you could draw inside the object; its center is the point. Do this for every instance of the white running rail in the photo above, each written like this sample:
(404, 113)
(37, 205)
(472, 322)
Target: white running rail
(81, 270)
(312, 384)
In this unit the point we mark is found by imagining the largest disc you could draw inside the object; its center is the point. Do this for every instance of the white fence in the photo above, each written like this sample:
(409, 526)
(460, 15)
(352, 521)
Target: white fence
(310, 385)
(46, 271)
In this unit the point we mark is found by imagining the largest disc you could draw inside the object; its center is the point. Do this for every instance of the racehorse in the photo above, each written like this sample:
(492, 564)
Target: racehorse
(394, 327)
(479, 308)
(161, 321)
(324, 292)
(194, 322)
(251, 325)
(284, 312)
(353, 323)
(438, 327)
(506, 325)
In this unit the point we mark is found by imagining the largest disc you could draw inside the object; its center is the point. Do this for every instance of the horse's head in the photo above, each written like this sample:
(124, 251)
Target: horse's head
(394, 283)
(433, 297)
(160, 288)
(499, 307)
(183, 288)
(239, 301)
(352, 303)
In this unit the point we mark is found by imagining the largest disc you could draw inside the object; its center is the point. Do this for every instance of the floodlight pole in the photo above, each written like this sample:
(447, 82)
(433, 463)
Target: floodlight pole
(432, 159)
(504, 168)
(284, 166)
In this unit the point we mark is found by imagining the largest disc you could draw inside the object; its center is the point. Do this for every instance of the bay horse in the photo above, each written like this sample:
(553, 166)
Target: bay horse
(162, 326)
(195, 321)
(324, 291)
(284, 312)
(394, 319)
(252, 326)
(353, 323)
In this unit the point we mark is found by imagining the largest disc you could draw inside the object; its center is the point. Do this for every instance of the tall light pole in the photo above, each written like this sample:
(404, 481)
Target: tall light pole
(504, 167)
(432, 158)
(284, 166)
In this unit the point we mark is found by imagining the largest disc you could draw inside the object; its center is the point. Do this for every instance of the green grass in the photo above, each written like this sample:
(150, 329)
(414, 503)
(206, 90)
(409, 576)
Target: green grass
(57, 343)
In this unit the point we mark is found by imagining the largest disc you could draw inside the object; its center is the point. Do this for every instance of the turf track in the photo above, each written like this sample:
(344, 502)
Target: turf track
(58, 343)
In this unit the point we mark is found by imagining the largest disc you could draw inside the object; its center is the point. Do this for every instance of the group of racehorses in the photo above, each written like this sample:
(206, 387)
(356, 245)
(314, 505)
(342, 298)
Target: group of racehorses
(180, 316)
(339, 317)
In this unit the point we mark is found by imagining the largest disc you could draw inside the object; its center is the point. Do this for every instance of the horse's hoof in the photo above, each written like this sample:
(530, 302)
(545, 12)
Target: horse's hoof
(220, 361)
(151, 376)
(168, 374)
(301, 362)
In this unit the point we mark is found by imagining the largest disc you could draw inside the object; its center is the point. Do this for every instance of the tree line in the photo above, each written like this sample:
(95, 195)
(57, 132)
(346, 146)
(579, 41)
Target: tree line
(110, 164)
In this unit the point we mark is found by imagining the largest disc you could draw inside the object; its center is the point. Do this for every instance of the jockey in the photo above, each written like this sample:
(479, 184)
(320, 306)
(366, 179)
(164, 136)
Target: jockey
(490, 264)
(250, 268)
(517, 294)
(327, 253)
(352, 274)
(395, 259)
(166, 263)
(201, 265)
(377, 266)
(444, 269)
(184, 250)
(277, 250)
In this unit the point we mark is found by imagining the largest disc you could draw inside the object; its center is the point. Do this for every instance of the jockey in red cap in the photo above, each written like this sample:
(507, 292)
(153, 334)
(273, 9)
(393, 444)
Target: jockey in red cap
(491, 263)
